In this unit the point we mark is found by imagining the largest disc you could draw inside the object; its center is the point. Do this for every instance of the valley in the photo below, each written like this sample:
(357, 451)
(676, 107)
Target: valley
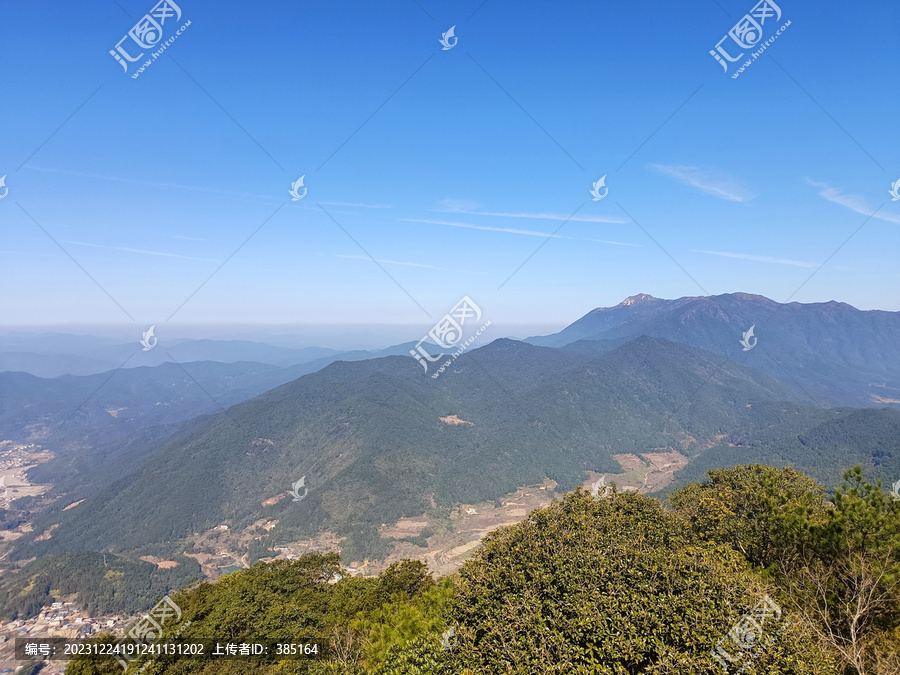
(134, 502)
(430, 338)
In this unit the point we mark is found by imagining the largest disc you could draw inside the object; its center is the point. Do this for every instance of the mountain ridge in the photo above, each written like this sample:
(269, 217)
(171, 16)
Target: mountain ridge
(838, 354)
(369, 439)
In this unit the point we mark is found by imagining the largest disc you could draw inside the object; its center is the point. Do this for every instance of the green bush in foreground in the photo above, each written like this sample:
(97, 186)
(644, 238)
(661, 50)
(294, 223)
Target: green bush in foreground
(611, 586)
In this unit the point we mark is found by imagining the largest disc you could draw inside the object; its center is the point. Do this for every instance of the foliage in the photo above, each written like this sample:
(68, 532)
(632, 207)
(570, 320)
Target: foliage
(845, 574)
(750, 507)
(609, 586)
(837, 563)
(101, 582)
(536, 413)
(389, 629)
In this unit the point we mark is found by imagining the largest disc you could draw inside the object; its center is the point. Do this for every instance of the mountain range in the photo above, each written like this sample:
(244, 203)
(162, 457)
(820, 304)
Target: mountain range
(837, 354)
(375, 440)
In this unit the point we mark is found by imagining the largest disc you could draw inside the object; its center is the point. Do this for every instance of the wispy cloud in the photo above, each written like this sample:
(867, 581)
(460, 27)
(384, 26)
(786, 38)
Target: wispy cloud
(509, 230)
(138, 250)
(390, 262)
(853, 202)
(707, 180)
(365, 206)
(547, 216)
(404, 264)
(181, 236)
(8, 252)
(457, 205)
(154, 184)
(759, 258)
(615, 243)
(471, 209)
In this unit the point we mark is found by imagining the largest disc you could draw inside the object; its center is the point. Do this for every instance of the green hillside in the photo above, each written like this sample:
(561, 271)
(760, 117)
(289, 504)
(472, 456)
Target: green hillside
(101, 583)
(843, 437)
(610, 586)
(369, 440)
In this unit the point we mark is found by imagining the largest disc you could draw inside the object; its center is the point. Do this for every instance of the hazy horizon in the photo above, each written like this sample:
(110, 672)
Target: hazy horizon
(431, 174)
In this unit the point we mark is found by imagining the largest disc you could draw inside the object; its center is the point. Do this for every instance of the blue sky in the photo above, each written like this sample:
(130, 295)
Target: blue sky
(448, 167)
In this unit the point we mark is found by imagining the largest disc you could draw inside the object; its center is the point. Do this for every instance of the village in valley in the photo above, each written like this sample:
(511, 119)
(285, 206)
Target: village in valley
(61, 619)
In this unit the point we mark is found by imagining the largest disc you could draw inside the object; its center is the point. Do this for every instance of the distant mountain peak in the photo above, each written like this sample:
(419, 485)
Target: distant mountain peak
(635, 299)
(751, 296)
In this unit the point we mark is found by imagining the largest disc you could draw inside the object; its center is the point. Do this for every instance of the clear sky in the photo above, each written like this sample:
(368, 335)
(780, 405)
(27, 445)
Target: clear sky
(164, 198)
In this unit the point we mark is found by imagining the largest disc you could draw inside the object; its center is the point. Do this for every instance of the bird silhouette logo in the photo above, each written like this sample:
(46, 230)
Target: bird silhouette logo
(598, 486)
(295, 186)
(596, 189)
(148, 340)
(748, 335)
(894, 191)
(295, 489)
(895, 491)
(448, 639)
(446, 37)
(6, 189)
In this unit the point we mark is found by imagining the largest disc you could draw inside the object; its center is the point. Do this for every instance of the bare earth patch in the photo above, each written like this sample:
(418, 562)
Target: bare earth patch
(162, 564)
(654, 472)
(73, 505)
(447, 551)
(449, 547)
(629, 462)
(405, 527)
(46, 534)
(454, 419)
(275, 499)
